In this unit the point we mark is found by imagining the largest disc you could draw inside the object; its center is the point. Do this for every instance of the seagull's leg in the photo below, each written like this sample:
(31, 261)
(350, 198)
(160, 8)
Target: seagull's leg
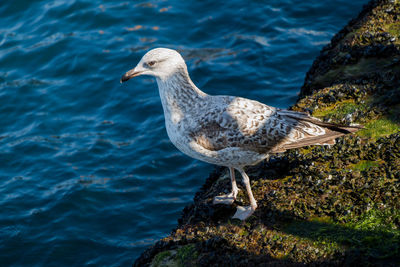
(243, 213)
(235, 189)
(231, 197)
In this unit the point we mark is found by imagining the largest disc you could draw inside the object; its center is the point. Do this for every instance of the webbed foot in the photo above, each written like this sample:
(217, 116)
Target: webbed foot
(242, 213)
(226, 199)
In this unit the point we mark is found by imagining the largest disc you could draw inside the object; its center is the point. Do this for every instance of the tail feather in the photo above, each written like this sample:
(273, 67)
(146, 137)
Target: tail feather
(333, 131)
(302, 116)
(346, 129)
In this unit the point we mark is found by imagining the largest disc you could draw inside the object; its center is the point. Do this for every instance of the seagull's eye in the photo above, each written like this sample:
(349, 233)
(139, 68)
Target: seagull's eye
(151, 63)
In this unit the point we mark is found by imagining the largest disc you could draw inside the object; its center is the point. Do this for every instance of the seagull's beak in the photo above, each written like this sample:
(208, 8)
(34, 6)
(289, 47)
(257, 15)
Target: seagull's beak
(130, 74)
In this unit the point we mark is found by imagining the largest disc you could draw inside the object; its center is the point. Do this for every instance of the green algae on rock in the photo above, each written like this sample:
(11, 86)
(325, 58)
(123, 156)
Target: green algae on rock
(318, 205)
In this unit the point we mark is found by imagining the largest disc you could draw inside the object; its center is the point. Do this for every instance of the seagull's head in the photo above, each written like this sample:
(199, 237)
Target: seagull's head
(159, 62)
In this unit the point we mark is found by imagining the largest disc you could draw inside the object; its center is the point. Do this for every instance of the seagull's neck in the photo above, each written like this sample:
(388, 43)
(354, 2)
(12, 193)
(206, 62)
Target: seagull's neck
(179, 95)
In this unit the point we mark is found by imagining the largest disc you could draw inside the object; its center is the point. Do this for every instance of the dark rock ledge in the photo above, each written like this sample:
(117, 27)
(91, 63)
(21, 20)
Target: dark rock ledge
(332, 206)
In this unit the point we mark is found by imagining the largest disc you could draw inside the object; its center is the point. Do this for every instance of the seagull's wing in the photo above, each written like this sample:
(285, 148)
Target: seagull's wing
(239, 122)
(251, 125)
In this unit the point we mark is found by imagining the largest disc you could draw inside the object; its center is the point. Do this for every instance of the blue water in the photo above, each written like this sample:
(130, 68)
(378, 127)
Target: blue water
(87, 173)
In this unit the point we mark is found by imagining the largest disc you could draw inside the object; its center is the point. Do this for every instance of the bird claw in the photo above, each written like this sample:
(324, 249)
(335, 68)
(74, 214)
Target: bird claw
(242, 213)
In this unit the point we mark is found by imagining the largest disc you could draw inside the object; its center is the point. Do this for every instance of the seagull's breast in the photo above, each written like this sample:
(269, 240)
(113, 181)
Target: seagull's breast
(179, 134)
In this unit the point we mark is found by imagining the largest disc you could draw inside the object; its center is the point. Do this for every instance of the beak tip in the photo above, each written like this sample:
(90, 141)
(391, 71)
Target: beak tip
(130, 74)
(124, 78)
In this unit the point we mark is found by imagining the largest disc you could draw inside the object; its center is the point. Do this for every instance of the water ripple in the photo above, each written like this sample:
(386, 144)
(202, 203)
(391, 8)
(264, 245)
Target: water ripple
(88, 175)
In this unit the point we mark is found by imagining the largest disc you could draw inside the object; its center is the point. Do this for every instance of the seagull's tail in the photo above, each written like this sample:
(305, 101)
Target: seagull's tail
(332, 132)
(302, 116)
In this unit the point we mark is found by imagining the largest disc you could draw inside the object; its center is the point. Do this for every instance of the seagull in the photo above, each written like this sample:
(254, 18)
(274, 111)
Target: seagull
(229, 131)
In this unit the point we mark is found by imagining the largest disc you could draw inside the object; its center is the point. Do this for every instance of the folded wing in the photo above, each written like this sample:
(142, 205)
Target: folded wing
(254, 126)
